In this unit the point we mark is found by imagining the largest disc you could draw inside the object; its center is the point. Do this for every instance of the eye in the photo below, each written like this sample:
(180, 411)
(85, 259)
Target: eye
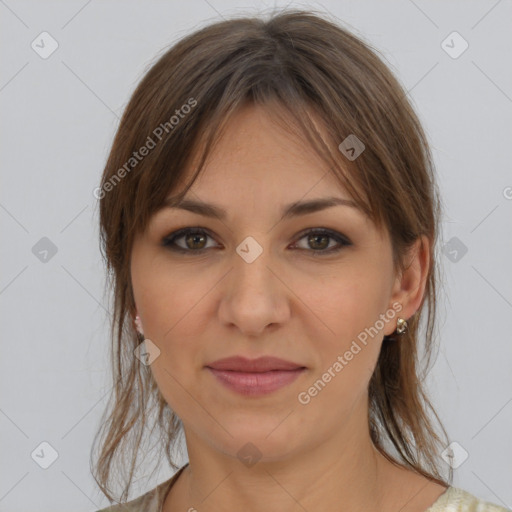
(194, 240)
(318, 240)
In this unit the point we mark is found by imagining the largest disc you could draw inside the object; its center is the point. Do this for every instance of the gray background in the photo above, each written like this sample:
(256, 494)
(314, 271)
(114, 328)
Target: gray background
(59, 116)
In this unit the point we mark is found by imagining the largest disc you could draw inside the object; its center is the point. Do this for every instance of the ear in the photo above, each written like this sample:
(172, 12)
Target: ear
(409, 285)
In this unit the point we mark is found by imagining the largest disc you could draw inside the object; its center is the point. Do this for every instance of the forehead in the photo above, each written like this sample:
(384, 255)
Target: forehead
(258, 158)
(260, 173)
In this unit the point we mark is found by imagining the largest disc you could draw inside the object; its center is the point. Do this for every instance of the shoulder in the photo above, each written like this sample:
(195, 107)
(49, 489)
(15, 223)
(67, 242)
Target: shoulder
(147, 502)
(455, 499)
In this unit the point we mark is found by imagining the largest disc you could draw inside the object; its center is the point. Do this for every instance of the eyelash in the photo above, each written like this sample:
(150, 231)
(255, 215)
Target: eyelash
(170, 240)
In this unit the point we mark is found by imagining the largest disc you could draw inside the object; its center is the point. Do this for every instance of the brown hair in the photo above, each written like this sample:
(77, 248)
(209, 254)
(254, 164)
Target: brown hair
(304, 68)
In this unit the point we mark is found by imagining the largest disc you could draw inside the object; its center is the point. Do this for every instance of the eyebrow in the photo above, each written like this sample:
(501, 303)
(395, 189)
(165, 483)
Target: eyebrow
(291, 210)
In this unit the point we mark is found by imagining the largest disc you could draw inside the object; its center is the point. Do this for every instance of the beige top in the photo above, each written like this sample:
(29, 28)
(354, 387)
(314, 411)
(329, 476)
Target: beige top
(453, 499)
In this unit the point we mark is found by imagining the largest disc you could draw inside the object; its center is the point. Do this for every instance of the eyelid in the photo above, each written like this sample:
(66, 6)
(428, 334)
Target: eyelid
(342, 241)
(340, 238)
(169, 240)
(327, 231)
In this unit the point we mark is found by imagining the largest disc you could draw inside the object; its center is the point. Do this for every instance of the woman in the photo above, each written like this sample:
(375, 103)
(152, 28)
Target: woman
(269, 216)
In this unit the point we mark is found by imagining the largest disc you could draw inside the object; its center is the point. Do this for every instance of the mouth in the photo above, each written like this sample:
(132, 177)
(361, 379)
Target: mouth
(255, 377)
(261, 364)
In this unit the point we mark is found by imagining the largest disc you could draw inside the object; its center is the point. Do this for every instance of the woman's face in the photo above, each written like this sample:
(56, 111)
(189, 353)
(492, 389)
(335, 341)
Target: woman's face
(255, 284)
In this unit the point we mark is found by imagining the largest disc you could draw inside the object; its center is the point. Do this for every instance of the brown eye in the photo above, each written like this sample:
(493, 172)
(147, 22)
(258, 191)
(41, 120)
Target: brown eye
(318, 240)
(194, 240)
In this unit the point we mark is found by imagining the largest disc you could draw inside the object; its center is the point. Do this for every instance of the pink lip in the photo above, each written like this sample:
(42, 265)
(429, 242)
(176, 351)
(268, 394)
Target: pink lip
(261, 364)
(257, 376)
(256, 383)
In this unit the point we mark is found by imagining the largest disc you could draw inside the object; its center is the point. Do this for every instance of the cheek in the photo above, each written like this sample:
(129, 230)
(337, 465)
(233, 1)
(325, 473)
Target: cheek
(176, 317)
(345, 302)
(346, 355)
(177, 310)
(170, 306)
(345, 310)
(181, 309)
(167, 297)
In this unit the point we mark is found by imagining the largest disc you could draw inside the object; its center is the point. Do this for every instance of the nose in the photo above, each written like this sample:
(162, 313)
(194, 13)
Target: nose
(254, 296)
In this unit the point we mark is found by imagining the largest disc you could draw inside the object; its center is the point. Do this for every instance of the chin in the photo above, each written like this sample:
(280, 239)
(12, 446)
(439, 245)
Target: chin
(265, 440)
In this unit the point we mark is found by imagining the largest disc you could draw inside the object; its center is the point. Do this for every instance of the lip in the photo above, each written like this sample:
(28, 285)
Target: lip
(256, 383)
(255, 377)
(261, 364)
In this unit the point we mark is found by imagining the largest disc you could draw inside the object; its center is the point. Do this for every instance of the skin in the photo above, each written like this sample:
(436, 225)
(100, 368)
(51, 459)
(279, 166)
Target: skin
(288, 303)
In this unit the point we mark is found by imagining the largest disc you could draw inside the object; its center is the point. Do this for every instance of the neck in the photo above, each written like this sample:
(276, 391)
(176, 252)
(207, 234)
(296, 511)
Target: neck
(347, 476)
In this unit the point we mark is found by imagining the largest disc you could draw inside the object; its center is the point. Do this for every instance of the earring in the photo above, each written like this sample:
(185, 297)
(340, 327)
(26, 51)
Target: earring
(401, 326)
(138, 323)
